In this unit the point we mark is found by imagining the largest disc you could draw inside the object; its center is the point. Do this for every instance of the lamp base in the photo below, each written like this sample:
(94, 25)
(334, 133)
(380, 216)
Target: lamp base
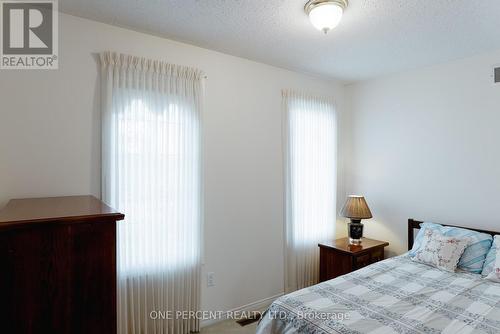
(355, 230)
(355, 242)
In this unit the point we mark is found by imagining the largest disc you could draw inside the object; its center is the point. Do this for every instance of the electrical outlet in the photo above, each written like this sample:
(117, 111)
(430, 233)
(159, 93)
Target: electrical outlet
(496, 74)
(210, 279)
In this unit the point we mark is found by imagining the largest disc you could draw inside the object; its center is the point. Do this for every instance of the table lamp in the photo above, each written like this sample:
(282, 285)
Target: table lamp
(355, 208)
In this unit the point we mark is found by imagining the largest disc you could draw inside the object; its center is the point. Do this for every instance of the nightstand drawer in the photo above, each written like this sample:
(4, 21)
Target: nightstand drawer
(377, 255)
(362, 261)
(366, 259)
(338, 257)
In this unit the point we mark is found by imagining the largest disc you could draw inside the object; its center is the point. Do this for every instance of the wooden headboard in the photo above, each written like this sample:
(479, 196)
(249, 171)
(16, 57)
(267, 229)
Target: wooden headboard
(415, 225)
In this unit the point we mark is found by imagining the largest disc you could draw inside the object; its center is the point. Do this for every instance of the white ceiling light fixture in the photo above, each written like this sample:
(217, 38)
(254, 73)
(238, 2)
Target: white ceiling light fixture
(325, 14)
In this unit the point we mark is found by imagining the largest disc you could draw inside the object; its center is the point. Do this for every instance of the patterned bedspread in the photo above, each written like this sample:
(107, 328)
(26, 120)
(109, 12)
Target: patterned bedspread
(397, 295)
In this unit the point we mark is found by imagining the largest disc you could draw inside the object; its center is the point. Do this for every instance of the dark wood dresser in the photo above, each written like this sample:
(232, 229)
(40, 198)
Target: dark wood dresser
(338, 257)
(58, 266)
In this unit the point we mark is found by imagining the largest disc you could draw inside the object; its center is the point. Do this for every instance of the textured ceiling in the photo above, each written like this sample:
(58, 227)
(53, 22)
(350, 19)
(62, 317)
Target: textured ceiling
(375, 37)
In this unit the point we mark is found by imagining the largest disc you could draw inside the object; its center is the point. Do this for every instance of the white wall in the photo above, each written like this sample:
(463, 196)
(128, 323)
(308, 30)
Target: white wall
(50, 146)
(425, 145)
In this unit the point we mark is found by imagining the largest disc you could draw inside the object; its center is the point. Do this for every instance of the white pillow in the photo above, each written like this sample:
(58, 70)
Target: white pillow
(440, 251)
(495, 274)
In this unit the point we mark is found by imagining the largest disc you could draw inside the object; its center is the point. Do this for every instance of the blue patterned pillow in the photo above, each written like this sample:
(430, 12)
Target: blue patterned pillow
(491, 257)
(474, 256)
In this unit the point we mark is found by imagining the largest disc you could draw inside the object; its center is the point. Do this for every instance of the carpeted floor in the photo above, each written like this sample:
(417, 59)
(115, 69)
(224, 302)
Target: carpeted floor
(230, 327)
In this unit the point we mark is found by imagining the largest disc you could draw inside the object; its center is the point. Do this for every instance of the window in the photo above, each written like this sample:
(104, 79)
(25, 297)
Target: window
(151, 167)
(157, 159)
(310, 160)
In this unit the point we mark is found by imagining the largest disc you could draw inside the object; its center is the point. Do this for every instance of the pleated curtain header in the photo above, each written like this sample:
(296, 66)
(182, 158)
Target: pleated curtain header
(288, 94)
(141, 64)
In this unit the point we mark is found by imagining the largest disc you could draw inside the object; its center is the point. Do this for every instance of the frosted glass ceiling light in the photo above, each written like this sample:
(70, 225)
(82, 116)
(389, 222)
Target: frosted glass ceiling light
(325, 14)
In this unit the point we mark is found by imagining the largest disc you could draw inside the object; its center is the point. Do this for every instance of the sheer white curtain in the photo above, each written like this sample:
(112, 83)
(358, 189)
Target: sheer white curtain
(310, 182)
(151, 172)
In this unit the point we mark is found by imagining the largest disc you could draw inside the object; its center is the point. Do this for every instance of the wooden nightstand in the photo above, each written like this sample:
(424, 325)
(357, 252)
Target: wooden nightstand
(338, 257)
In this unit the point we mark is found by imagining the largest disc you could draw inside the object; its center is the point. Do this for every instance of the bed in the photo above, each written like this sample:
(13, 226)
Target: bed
(397, 295)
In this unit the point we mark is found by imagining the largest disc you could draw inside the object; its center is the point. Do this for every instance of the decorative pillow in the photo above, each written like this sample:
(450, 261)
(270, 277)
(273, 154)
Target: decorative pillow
(475, 254)
(417, 243)
(489, 263)
(494, 275)
(440, 251)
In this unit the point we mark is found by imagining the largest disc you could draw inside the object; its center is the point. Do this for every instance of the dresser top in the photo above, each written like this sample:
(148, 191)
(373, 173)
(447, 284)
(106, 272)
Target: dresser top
(343, 245)
(56, 209)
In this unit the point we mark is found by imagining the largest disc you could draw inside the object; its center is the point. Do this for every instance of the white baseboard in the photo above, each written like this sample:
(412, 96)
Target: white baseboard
(255, 306)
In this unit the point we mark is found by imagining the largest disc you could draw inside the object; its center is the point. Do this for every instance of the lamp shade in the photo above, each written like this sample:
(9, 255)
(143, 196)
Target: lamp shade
(356, 208)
